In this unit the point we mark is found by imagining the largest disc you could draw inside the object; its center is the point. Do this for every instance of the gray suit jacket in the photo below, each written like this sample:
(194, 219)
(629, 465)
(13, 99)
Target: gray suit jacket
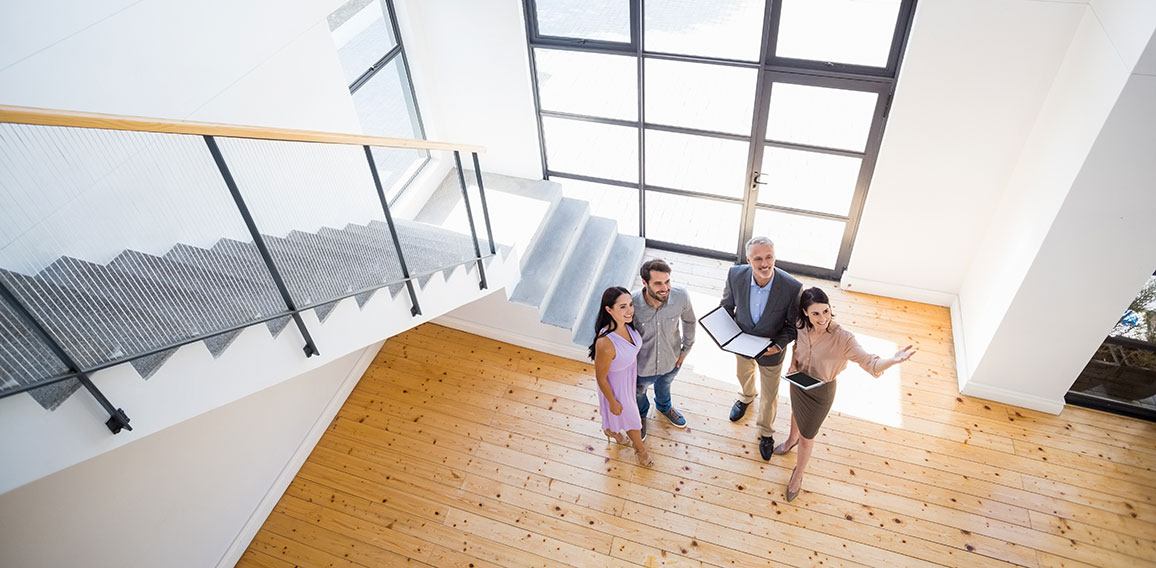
(778, 319)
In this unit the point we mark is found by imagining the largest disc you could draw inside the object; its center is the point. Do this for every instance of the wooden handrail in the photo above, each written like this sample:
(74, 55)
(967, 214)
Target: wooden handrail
(50, 117)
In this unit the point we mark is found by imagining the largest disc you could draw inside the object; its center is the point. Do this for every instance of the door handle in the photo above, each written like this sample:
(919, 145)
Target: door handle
(756, 181)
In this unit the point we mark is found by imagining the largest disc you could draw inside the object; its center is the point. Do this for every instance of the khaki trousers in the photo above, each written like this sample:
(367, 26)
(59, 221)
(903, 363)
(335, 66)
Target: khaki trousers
(768, 383)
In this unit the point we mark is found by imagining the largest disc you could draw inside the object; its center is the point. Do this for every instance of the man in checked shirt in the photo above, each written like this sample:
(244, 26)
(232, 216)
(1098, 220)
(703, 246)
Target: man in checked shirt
(658, 310)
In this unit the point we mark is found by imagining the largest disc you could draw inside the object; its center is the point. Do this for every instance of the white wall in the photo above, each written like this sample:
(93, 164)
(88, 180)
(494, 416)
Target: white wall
(263, 63)
(996, 110)
(178, 497)
(471, 71)
(1082, 95)
(214, 60)
(1031, 315)
(974, 77)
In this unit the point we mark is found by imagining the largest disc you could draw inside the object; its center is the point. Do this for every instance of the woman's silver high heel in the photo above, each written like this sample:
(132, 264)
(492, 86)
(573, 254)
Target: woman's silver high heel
(783, 449)
(792, 494)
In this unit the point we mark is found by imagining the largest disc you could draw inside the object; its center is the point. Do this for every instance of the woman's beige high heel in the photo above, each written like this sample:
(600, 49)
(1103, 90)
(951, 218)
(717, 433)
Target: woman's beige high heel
(644, 458)
(617, 437)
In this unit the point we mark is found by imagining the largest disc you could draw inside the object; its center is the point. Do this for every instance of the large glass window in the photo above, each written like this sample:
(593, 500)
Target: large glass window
(856, 32)
(718, 98)
(716, 121)
(592, 84)
(725, 30)
(373, 59)
(601, 20)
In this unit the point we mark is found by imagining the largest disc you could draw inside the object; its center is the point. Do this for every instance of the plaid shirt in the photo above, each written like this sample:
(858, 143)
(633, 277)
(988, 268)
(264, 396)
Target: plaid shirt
(662, 344)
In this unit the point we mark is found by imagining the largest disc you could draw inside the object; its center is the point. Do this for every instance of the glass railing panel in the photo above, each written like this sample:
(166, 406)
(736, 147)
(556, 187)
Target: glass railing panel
(26, 360)
(318, 210)
(110, 238)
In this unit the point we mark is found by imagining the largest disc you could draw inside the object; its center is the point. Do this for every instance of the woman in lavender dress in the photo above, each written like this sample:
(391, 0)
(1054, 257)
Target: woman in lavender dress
(615, 355)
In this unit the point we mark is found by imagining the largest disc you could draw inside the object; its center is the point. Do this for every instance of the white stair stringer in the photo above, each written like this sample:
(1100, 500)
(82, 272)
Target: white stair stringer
(193, 382)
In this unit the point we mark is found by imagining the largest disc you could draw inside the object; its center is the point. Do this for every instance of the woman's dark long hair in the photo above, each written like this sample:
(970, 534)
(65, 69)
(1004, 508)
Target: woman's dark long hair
(604, 322)
(810, 296)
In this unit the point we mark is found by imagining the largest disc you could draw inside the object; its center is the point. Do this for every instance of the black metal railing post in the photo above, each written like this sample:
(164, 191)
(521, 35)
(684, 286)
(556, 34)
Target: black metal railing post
(415, 309)
(470, 217)
(117, 419)
(310, 348)
(485, 208)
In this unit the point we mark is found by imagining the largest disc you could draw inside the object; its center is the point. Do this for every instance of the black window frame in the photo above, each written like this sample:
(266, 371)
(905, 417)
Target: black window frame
(398, 50)
(881, 80)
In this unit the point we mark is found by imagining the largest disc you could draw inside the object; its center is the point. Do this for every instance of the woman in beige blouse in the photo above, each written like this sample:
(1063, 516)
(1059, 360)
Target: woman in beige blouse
(822, 350)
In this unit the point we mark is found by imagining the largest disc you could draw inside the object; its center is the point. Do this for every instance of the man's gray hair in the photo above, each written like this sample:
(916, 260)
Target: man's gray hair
(758, 241)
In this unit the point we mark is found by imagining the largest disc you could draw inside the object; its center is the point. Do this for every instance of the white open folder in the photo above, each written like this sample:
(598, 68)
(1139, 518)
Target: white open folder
(726, 333)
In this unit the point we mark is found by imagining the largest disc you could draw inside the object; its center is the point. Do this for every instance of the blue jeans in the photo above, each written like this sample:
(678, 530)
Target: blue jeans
(661, 392)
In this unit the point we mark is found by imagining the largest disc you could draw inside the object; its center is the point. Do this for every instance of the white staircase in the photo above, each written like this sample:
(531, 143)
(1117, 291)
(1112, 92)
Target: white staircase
(568, 259)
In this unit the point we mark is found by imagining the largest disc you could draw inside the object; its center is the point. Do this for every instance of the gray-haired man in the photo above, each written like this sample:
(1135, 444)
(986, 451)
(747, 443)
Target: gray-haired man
(764, 301)
(659, 308)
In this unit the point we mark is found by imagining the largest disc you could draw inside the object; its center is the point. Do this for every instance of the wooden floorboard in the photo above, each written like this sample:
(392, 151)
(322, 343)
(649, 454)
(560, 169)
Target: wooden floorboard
(458, 450)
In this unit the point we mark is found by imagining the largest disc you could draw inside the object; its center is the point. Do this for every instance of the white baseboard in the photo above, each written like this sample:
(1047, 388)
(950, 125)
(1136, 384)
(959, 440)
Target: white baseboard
(576, 352)
(289, 472)
(1005, 396)
(962, 365)
(897, 291)
(988, 392)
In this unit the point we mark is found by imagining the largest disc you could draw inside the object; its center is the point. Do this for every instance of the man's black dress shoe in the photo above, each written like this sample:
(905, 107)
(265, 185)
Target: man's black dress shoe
(766, 446)
(738, 410)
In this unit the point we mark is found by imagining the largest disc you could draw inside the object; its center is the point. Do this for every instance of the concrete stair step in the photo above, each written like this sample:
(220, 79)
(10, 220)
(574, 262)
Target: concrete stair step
(381, 254)
(620, 268)
(576, 278)
(428, 249)
(363, 269)
(162, 314)
(550, 251)
(305, 277)
(517, 207)
(253, 277)
(414, 254)
(27, 360)
(93, 328)
(222, 304)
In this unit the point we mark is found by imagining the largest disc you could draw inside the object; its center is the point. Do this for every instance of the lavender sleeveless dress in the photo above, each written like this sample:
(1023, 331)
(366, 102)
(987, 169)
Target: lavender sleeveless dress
(623, 379)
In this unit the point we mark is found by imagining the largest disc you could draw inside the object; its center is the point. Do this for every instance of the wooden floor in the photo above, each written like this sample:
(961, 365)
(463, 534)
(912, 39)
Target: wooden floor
(457, 450)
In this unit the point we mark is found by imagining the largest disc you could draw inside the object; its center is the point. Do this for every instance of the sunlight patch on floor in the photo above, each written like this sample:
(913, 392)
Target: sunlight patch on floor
(863, 396)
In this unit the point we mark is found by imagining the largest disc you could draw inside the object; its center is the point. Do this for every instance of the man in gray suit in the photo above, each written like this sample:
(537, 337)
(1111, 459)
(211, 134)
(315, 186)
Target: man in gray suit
(764, 301)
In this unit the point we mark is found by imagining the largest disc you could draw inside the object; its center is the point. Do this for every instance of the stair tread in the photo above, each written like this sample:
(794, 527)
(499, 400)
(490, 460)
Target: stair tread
(265, 295)
(169, 310)
(543, 262)
(225, 301)
(582, 268)
(621, 266)
(59, 309)
(27, 358)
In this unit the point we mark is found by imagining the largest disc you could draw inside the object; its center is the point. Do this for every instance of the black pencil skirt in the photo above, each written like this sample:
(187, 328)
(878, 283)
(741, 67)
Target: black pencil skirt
(810, 407)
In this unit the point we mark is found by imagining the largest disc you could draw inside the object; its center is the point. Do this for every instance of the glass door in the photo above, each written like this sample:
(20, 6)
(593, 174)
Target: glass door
(811, 162)
(699, 124)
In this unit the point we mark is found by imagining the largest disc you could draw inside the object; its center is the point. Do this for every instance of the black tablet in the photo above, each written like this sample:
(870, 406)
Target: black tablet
(803, 380)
